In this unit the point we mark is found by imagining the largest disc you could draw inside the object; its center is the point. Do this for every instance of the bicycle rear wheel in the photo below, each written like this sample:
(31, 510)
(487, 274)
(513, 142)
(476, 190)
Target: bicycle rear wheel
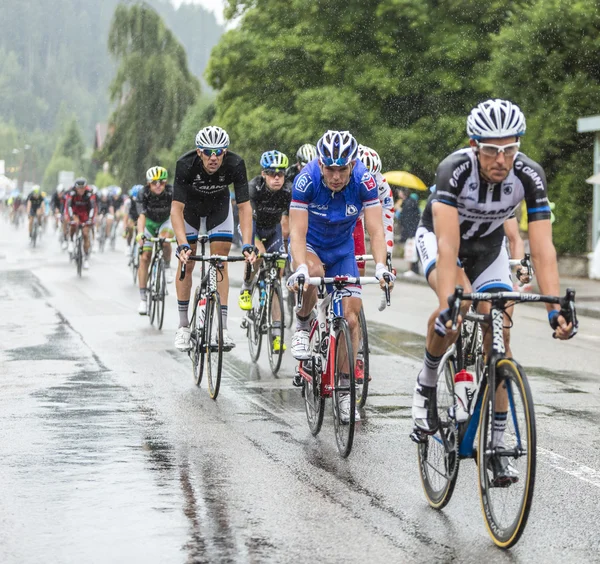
(506, 501)
(438, 454)
(152, 285)
(344, 389)
(79, 255)
(253, 329)
(34, 229)
(161, 287)
(213, 335)
(275, 301)
(314, 403)
(362, 362)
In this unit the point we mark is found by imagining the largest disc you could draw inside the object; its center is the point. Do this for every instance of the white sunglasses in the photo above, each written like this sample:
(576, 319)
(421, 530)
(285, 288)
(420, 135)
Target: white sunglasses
(491, 150)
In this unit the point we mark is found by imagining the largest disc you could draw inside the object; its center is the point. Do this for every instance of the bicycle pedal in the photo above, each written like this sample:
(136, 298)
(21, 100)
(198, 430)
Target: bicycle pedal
(418, 437)
(298, 381)
(244, 323)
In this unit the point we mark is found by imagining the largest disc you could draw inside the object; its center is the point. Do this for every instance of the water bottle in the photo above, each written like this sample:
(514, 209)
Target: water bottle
(201, 312)
(463, 394)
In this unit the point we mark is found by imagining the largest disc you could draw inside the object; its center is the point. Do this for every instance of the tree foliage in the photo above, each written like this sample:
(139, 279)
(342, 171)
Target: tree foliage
(153, 89)
(402, 75)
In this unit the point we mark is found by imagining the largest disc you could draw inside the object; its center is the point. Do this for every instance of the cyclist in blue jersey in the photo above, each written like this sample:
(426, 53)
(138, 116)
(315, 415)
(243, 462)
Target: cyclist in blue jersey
(327, 199)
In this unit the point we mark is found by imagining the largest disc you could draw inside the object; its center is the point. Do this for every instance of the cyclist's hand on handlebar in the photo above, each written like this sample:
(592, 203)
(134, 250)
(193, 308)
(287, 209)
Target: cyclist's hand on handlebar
(249, 251)
(443, 322)
(523, 275)
(183, 252)
(562, 329)
(381, 273)
(292, 281)
(140, 236)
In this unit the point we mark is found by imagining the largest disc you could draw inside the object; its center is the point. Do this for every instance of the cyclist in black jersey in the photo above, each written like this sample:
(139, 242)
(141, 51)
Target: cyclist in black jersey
(270, 196)
(201, 196)
(305, 154)
(460, 239)
(35, 202)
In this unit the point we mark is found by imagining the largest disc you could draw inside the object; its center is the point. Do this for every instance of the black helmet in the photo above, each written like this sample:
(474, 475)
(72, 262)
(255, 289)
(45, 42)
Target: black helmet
(80, 182)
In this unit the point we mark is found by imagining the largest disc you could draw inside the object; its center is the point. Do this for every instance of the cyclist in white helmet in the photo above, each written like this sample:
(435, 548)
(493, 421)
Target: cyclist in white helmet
(304, 155)
(460, 241)
(201, 199)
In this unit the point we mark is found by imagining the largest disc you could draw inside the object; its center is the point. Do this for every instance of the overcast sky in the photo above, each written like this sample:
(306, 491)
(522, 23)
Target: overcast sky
(214, 6)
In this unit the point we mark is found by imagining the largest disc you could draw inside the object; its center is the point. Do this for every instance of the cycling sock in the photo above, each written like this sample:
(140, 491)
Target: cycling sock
(143, 294)
(500, 419)
(182, 306)
(276, 331)
(302, 322)
(246, 285)
(224, 311)
(429, 376)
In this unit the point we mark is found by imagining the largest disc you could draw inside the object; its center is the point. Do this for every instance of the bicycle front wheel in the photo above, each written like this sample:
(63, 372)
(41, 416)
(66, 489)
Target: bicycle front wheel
(79, 256)
(507, 460)
(275, 332)
(438, 454)
(135, 261)
(213, 336)
(161, 286)
(198, 351)
(361, 372)
(344, 389)
(253, 329)
(314, 402)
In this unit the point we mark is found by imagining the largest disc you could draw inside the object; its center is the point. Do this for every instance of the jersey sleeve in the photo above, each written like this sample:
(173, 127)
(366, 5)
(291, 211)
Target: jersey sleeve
(533, 178)
(240, 183)
(182, 184)
(450, 178)
(141, 203)
(302, 192)
(368, 190)
(287, 192)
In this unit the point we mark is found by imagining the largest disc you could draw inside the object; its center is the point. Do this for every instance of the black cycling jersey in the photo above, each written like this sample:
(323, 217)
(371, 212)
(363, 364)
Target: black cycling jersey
(116, 202)
(155, 207)
(482, 206)
(36, 200)
(291, 173)
(269, 205)
(133, 212)
(199, 190)
(103, 206)
(56, 202)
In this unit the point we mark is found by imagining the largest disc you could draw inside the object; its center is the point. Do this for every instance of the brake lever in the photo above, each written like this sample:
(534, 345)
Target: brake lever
(300, 282)
(454, 302)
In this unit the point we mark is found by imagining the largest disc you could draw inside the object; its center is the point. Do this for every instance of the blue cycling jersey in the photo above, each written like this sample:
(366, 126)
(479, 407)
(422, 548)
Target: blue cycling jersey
(332, 215)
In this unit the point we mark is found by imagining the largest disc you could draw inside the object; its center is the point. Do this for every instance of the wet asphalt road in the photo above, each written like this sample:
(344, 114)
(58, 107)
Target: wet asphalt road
(111, 454)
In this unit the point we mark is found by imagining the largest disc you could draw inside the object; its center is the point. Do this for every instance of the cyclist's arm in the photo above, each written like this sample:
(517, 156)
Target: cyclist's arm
(298, 229)
(515, 243)
(141, 222)
(245, 215)
(543, 256)
(285, 227)
(177, 222)
(28, 206)
(374, 226)
(447, 230)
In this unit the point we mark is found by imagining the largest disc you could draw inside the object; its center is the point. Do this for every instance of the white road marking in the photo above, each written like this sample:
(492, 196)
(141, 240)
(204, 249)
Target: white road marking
(568, 466)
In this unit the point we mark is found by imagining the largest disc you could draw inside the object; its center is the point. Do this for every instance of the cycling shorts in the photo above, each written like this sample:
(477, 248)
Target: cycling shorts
(339, 265)
(271, 238)
(487, 268)
(83, 216)
(360, 247)
(216, 220)
(156, 229)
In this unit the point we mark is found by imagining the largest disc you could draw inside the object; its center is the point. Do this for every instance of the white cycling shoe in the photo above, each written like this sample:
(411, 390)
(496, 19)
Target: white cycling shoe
(182, 339)
(344, 407)
(143, 308)
(301, 345)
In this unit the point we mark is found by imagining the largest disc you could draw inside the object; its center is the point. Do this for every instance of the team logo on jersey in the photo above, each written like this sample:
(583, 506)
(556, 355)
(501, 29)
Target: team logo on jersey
(368, 181)
(388, 201)
(507, 189)
(302, 183)
(518, 165)
(351, 209)
(453, 183)
(472, 186)
(221, 179)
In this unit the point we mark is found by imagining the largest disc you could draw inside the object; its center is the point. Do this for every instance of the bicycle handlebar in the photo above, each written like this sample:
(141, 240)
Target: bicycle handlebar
(159, 239)
(211, 258)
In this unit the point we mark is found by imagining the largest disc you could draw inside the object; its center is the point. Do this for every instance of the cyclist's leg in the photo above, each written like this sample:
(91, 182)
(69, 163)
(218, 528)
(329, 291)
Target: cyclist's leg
(30, 221)
(150, 230)
(183, 288)
(244, 300)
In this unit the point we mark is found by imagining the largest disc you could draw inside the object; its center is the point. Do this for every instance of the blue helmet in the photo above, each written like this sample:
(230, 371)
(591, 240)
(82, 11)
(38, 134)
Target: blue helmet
(135, 190)
(274, 160)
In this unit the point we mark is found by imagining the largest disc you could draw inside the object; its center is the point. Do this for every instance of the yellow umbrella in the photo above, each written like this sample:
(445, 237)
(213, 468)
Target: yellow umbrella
(406, 179)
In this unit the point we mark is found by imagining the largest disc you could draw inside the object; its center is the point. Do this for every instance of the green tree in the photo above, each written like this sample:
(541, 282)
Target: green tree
(153, 89)
(56, 164)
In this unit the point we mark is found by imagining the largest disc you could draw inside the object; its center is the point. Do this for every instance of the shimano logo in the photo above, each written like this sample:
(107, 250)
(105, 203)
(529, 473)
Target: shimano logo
(472, 186)
(507, 189)
(534, 176)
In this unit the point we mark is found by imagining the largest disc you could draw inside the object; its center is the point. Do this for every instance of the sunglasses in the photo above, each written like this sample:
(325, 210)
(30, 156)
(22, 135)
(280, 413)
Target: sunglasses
(274, 172)
(491, 150)
(341, 161)
(159, 182)
(211, 152)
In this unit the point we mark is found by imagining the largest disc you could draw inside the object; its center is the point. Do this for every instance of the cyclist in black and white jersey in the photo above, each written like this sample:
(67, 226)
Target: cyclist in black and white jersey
(460, 238)
(305, 154)
(201, 199)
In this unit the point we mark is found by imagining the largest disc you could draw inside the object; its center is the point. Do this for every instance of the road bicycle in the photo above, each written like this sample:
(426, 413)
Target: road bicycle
(78, 253)
(113, 234)
(102, 233)
(156, 288)
(330, 371)
(502, 393)
(35, 230)
(267, 303)
(134, 256)
(206, 329)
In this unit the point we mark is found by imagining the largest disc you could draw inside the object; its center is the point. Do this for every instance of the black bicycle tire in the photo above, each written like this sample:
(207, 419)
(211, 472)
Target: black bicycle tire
(361, 399)
(33, 232)
(438, 499)
(150, 292)
(514, 532)
(79, 256)
(135, 261)
(342, 333)
(162, 281)
(213, 315)
(196, 336)
(315, 409)
(275, 358)
(253, 330)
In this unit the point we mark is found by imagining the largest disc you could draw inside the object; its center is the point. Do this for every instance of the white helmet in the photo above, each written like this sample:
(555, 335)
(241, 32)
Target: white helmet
(306, 153)
(495, 119)
(370, 158)
(337, 148)
(212, 137)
